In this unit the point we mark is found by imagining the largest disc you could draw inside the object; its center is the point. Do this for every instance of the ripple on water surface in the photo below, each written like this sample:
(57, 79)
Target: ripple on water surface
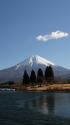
(27, 108)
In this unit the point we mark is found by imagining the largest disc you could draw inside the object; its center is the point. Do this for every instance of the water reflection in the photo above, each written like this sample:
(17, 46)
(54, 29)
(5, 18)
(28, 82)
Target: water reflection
(50, 104)
(44, 104)
(29, 109)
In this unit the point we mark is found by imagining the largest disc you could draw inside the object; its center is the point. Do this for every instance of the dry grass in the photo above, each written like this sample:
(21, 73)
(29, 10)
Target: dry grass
(50, 87)
(44, 87)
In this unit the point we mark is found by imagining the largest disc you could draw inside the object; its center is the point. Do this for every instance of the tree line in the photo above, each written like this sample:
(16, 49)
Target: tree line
(47, 77)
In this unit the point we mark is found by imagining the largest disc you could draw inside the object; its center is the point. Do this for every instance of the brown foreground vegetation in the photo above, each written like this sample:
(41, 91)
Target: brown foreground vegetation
(47, 88)
(44, 87)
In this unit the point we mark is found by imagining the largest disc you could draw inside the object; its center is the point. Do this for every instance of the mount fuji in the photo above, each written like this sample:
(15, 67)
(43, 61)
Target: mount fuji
(15, 73)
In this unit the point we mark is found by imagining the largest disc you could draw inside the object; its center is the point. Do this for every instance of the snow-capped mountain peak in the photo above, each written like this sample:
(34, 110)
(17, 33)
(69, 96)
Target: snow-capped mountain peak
(34, 60)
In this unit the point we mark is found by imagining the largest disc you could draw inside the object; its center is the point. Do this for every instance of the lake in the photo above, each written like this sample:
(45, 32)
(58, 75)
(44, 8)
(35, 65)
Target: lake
(31, 108)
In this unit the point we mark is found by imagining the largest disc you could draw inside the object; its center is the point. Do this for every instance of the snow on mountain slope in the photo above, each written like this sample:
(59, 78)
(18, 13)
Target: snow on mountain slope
(15, 73)
(34, 60)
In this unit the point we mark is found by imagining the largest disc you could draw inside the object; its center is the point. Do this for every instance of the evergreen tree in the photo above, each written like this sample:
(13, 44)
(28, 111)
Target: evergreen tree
(49, 75)
(25, 78)
(32, 77)
(40, 76)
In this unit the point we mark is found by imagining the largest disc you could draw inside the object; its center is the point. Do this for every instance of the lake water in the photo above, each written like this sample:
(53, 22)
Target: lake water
(30, 108)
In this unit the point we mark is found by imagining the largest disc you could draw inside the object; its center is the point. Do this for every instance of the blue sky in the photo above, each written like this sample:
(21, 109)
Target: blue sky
(23, 21)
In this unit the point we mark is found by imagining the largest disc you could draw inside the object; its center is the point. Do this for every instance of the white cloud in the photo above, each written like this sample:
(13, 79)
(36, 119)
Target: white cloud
(53, 35)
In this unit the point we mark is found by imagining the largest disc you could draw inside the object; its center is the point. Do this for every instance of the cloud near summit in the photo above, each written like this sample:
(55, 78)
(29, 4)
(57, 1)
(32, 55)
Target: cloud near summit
(53, 35)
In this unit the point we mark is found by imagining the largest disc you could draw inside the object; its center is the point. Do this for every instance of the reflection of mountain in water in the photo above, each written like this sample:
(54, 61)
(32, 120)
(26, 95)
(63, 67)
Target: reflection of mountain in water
(44, 104)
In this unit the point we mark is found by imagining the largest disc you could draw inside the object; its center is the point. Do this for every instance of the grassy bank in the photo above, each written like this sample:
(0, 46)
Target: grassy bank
(44, 87)
(50, 88)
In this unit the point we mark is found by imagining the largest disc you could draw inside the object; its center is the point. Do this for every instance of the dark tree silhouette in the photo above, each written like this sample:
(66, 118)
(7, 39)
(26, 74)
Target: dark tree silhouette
(25, 78)
(40, 76)
(32, 77)
(49, 75)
